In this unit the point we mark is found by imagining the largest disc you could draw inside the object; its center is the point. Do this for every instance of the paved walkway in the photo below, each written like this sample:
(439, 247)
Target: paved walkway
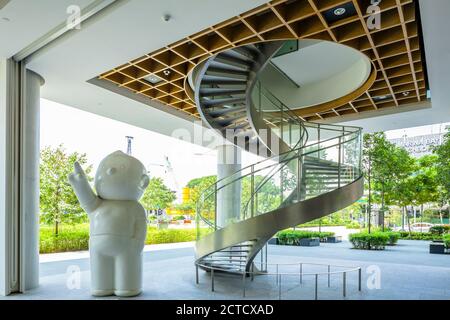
(407, 271)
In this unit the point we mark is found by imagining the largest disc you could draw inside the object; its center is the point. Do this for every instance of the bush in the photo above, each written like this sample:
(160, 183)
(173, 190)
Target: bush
(446, 238)
(69, 238)
(293, 237)
(369, 241)
(353, 225)
(393, 238)
(439, 230)
(178, 218)
(419, 236)
(76, 238)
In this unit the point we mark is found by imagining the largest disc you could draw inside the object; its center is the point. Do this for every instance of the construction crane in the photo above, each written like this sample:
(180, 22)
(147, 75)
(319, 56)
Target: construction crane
(129, 141)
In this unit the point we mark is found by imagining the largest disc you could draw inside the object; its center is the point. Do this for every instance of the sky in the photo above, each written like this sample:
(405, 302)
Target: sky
(98, 136)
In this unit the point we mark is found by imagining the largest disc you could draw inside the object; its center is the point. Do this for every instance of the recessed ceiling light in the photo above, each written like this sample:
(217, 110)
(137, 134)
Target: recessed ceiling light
(406, 93)
(152, 79)
(383, 97)
(166, 72)
(339, 11)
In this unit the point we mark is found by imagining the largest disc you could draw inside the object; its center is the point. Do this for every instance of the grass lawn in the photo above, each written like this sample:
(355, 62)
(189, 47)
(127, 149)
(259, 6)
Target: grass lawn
(76, 237)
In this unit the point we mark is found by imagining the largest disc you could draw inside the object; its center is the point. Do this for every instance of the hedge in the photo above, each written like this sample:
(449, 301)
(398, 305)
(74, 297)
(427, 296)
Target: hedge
(393, 238)
(292, 237)
(446, 238)
(405, 235)
(76, 238)
(439, 230)
(369, 241)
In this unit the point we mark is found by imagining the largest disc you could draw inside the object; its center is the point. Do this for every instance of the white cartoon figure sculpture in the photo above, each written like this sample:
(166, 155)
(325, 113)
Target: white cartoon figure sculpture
(118, 225)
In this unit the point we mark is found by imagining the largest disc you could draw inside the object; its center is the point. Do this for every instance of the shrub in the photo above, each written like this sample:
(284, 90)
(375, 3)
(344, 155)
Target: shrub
(419, 236)
(76, 238)
(69, 238)
(393, 238)
(369, 241)
(439, 230)
(446, 238)
(293, 237)
(353, 225)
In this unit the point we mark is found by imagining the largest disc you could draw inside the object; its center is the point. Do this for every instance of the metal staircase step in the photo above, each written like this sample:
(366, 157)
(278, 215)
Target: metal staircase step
(221, 102)
(211, 92)
(227, 73)
(224, 111)
(233, 61)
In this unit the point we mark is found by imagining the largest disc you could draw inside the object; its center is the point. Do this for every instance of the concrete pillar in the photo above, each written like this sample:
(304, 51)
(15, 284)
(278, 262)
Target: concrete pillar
(228, 197)
(30, 180)
(19, 177)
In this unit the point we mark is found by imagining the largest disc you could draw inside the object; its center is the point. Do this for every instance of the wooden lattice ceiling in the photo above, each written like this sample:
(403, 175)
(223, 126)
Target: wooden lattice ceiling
(395, 50)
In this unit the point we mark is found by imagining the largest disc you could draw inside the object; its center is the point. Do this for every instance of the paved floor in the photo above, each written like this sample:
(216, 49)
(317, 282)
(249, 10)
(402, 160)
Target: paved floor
(407, 271)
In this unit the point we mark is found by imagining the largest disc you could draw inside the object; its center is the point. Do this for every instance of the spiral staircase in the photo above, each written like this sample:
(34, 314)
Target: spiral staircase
(311, 169)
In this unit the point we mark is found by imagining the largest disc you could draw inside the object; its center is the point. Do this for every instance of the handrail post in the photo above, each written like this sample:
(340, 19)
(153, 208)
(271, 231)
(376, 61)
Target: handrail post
(329, 276)
(339, 161)
(252, 188)
(215, 207)
(279, 288)
(344, 284)
(243, 284)
(212, 280)
(196, 274)
(301, 272)
(315, 286)
(359, 279)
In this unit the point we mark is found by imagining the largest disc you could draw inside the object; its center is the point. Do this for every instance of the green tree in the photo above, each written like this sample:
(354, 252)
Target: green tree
(157, 195)
(58, 203)
(442, 165)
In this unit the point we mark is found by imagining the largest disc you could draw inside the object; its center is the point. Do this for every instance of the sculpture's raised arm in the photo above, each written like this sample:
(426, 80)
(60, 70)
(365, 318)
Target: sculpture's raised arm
(87, 198)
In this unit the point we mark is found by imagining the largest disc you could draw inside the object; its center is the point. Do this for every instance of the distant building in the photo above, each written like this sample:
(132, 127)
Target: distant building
(419, 146)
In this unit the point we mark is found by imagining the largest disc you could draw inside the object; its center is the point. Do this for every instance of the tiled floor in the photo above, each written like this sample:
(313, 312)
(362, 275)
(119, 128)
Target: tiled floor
(407, 271)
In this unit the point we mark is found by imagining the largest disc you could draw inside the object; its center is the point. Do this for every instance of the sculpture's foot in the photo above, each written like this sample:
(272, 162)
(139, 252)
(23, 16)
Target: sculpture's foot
(102, 293)
(127, 293)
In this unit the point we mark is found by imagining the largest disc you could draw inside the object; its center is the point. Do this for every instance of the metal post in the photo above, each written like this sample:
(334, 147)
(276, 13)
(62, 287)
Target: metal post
(316, 285)
(252, 188)
(212, 280)
(301, 272)
(243, 284)
(359, 279)
(253, 275)
(344, 284)
(277, 274)
(265, 257)
(279, 288)
(196, 273)
(339, 163)
(328, 276)
(215, 206)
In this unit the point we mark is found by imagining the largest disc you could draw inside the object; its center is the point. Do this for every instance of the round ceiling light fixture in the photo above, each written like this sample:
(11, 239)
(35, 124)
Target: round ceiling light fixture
(339, 11)
(166, 72)
(406, 93)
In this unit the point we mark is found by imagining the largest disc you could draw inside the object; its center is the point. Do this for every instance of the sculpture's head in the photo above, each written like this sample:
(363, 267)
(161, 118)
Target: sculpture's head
(121, 177)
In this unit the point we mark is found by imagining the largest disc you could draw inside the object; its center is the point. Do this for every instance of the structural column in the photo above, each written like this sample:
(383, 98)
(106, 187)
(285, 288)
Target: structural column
(19, 177)
(30, 151)
(228, 195)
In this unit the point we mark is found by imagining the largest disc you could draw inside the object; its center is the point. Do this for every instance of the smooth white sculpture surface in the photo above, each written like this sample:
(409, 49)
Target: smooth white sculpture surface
(118, 225)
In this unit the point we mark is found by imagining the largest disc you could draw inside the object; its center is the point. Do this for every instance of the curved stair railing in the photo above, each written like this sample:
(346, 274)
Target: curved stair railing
(311, 170)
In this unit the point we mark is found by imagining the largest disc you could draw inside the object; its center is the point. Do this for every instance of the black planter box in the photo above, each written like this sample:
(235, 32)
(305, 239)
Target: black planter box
(437, 248)
(273, 241)
(334, 239)
(309, 242)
